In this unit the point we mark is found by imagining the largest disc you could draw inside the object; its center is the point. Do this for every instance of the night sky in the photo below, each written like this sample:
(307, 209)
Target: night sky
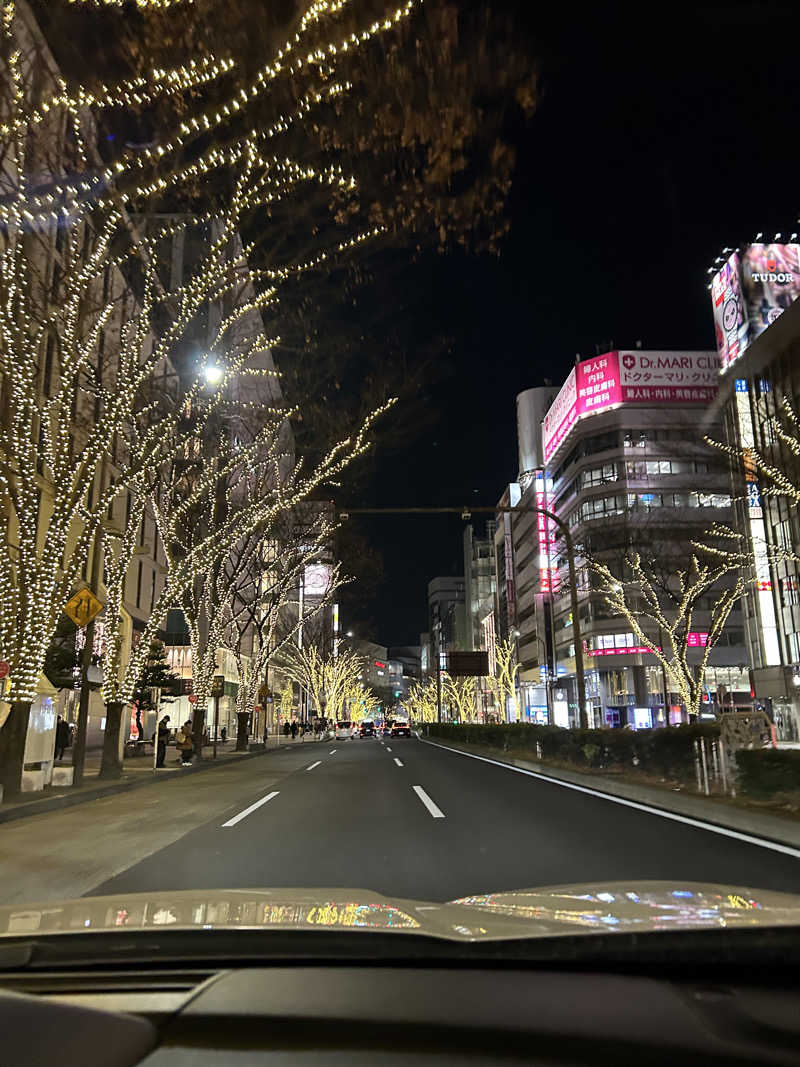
(655, 145)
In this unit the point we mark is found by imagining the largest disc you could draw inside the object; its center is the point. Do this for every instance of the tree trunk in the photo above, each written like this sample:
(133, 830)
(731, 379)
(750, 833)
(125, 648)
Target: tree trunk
(111, 763)
(198, 725)
(12, 748)
(242, 720)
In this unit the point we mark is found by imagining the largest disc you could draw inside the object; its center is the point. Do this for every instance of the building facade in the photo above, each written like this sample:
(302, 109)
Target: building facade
(628, 470)
(757, 318)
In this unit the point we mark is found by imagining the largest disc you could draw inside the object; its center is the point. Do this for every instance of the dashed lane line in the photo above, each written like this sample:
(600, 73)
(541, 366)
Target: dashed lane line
(398, 762)
(252, 808)
(313, 765)
(434, 811)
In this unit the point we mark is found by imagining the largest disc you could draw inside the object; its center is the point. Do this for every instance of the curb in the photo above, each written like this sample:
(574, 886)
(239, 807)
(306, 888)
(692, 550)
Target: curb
(548, 774)
(69, 800)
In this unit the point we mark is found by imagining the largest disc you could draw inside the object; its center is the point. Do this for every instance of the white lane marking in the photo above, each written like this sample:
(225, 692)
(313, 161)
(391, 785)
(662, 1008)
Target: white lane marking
(332, 751)
(313, 765)
(687, 820)
(437, 813)
(247, 811)
(388, 749)
(398, 762)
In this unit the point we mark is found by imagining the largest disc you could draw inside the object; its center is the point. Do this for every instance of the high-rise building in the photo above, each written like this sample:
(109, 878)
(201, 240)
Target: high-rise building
(447, 615)
(479, 582)
(757, 319)
(626, 467)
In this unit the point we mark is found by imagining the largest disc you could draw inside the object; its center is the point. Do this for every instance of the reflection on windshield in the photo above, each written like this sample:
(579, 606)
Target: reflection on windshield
(656, 909)
(219, 911)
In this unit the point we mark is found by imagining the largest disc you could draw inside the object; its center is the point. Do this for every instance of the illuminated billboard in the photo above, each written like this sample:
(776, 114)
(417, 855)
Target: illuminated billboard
(317, 579)
(749, 292)
(624, 377)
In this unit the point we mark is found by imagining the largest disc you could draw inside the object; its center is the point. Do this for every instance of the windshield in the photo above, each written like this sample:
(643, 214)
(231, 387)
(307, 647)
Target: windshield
(467, 328)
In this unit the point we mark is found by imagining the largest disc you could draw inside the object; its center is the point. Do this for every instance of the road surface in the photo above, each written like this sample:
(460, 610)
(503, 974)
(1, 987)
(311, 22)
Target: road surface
(407, 818)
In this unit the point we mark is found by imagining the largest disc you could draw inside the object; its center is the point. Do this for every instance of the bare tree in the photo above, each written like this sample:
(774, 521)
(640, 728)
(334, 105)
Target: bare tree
(663, 612)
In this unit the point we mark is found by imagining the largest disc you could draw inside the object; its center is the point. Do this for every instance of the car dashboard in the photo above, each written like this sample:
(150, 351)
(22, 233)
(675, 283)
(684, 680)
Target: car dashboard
(403, 1014)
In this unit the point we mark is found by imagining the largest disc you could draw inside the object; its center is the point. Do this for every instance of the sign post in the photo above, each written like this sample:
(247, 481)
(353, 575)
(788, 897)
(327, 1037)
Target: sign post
(217, 689)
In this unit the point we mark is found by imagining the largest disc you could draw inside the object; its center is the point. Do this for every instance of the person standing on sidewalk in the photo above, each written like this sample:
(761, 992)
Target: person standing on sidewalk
(294, 729)
(223, 734)
(63, 737)
(163, 735)
(185, 743)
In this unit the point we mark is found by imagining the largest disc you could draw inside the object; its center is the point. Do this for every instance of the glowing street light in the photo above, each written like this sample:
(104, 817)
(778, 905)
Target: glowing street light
(213, 374)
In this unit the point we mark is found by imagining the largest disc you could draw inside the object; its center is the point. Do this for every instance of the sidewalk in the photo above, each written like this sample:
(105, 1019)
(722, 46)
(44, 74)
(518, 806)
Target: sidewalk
(720, 811)
(136, 771)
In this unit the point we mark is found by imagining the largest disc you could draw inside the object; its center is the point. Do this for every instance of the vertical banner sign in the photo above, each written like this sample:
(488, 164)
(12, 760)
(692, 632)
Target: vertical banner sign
(598, 383)
(543, 535)
(758, 540)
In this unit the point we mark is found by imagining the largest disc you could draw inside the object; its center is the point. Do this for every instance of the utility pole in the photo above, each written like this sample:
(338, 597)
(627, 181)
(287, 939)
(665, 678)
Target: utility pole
(466, 514)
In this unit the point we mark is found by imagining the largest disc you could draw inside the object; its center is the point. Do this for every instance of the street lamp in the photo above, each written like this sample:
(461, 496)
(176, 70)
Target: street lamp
(213, 374)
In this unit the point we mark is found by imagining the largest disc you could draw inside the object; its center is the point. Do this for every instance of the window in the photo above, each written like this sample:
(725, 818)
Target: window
(152, 589)
(139, 587)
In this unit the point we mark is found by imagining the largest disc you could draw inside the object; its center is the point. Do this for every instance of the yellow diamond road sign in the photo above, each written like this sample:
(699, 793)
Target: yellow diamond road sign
(83, 607)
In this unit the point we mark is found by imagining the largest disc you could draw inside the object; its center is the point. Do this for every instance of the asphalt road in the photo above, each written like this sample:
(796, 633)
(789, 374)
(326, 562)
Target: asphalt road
(407, 818)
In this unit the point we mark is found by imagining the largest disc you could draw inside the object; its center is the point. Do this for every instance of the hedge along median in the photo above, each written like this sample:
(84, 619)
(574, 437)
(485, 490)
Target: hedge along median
(662, 753)
(769, 773)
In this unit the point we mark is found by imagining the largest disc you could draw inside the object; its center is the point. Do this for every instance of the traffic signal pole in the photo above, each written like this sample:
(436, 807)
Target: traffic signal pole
(466, 513)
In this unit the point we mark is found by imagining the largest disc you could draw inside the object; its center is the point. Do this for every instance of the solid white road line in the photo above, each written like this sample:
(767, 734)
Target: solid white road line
(247, 811)
(687, 820)
(437, 813)
(397, 761)
(313, 765)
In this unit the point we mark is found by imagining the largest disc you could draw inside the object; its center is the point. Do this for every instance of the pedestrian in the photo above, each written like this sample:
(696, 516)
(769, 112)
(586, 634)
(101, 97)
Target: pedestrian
(286, 729)
(294, 729)
(185, 742)
(224, 734)
(160, 738)
(205, 736)
(63, 737)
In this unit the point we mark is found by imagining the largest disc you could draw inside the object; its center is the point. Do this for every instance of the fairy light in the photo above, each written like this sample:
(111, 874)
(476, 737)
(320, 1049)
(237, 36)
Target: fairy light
(88, 198)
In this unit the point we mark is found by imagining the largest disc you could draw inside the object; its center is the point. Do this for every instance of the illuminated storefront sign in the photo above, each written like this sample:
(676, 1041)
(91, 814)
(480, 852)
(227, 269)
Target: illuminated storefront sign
(749, 292)
(696, 640)
(622, 651)
(547, 580)
(628, 377)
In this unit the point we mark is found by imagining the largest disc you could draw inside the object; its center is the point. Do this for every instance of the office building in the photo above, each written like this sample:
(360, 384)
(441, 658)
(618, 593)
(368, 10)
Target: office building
(757, 320)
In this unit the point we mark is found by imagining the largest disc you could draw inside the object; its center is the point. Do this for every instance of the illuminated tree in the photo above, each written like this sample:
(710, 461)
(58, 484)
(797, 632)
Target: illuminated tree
(259, 584)
(459, 694)
(662, 613)
(89, 408)
(287, 701)
(421, 700)
(503, 683)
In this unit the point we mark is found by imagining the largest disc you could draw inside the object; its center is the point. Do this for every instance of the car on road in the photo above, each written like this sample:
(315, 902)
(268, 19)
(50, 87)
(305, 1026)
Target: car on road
(345, 730)
(400, 728)
(366, 729)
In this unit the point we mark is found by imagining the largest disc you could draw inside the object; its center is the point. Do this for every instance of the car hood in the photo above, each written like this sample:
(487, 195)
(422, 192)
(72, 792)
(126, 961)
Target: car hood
(612, 907)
